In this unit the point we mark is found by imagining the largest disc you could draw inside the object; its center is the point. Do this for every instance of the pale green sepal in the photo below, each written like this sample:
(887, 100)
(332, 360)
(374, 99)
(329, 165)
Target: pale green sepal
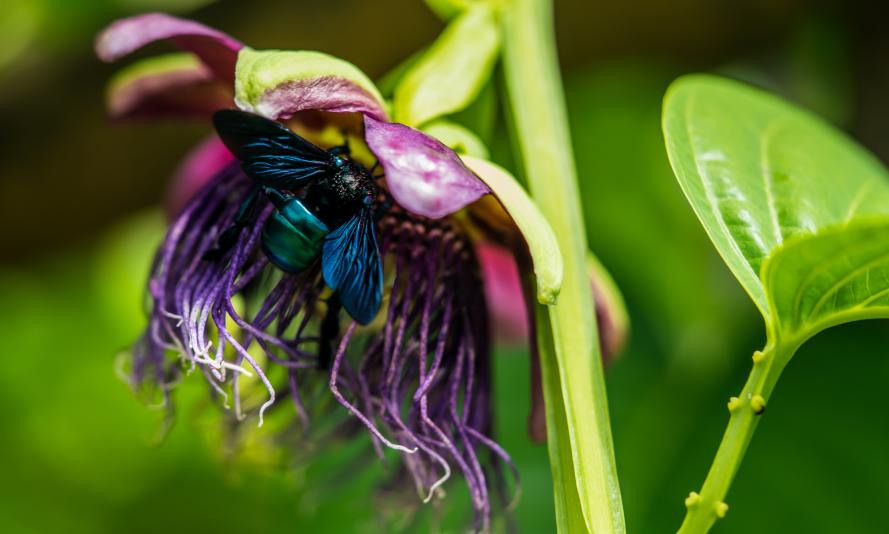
(609, 300)
(389, 81)
(457, 137)
(542, 244)
(452, 71)
(166, 63)
(277, 83)
(179, 75)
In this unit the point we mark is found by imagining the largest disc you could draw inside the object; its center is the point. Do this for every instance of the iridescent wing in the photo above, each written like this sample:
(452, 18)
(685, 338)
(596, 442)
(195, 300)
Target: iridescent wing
(270, 154)
(351, 264)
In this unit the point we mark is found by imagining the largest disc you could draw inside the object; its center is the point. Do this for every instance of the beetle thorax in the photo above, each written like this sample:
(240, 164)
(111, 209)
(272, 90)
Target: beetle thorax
(336, 198)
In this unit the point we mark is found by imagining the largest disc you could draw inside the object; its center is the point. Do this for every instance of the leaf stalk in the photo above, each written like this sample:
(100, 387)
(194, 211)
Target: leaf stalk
(745, 410)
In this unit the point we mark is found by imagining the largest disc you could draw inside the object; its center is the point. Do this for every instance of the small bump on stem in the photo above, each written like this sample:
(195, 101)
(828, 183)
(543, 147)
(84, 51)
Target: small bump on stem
(733, 404)
(758, 356)
(721, 509)
(692, 500)
(758, 403)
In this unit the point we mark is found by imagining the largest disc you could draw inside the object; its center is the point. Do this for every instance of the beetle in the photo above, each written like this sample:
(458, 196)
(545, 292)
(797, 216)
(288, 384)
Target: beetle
(323, 206)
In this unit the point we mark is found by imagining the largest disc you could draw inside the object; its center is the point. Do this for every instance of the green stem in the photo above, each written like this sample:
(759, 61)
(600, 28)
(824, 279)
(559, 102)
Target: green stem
(745, 412)
(578, 429)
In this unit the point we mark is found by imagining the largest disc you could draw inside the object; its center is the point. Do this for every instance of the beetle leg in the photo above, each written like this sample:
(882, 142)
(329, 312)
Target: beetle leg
(278, 198)
(247, 213)
(375, 167)
(330, 329)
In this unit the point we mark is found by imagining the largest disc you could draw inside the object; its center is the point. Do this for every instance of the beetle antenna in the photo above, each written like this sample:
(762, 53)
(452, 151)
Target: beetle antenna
(375, 167)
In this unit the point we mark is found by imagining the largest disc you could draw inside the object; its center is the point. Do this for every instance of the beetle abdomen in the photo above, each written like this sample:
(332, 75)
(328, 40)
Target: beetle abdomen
(293, 237)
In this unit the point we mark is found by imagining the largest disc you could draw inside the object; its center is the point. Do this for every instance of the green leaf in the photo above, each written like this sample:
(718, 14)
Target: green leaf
(766, 178)
(452, 71)
(799, 212)
(837, 276)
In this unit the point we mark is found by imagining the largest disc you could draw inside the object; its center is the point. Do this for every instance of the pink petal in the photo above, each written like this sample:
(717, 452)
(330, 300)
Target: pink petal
(280, 83)
(503, 292)
(612, 333)
(324, 94)
(199, 167)
(187, 91)
(216, 49)
(424, 176)
(508, 312)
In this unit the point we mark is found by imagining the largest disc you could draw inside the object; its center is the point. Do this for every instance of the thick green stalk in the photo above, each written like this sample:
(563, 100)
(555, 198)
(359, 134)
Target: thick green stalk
(745, 411)
(578, 428)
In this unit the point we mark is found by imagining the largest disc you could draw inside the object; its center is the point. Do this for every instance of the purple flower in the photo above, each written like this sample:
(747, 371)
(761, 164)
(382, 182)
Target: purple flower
(418, 377)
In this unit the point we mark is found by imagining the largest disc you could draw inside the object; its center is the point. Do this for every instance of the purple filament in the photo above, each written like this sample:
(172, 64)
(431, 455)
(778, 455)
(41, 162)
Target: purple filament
(418, 378)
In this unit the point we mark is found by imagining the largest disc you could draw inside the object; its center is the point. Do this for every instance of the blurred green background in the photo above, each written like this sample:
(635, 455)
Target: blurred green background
(79, 215)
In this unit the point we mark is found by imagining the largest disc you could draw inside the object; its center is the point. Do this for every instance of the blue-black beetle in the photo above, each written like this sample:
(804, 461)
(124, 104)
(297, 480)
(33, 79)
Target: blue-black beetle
(323, 207)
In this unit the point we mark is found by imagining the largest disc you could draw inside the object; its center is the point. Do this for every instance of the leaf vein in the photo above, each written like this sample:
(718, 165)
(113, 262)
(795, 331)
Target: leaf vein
(768, 182)
(857, 201)
(836, 286)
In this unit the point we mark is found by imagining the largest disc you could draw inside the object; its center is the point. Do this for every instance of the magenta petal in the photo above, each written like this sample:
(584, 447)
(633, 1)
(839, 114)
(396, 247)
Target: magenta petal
(177, 93)
(424, 176)
(280, 83)
(503, 293)
(325, 94)
(508, 311)
(215, 49)
(200, 166)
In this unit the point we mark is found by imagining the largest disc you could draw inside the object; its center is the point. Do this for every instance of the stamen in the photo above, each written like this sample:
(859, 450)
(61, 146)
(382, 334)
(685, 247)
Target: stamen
(422, 378)
(337, 361)
(215, 387)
